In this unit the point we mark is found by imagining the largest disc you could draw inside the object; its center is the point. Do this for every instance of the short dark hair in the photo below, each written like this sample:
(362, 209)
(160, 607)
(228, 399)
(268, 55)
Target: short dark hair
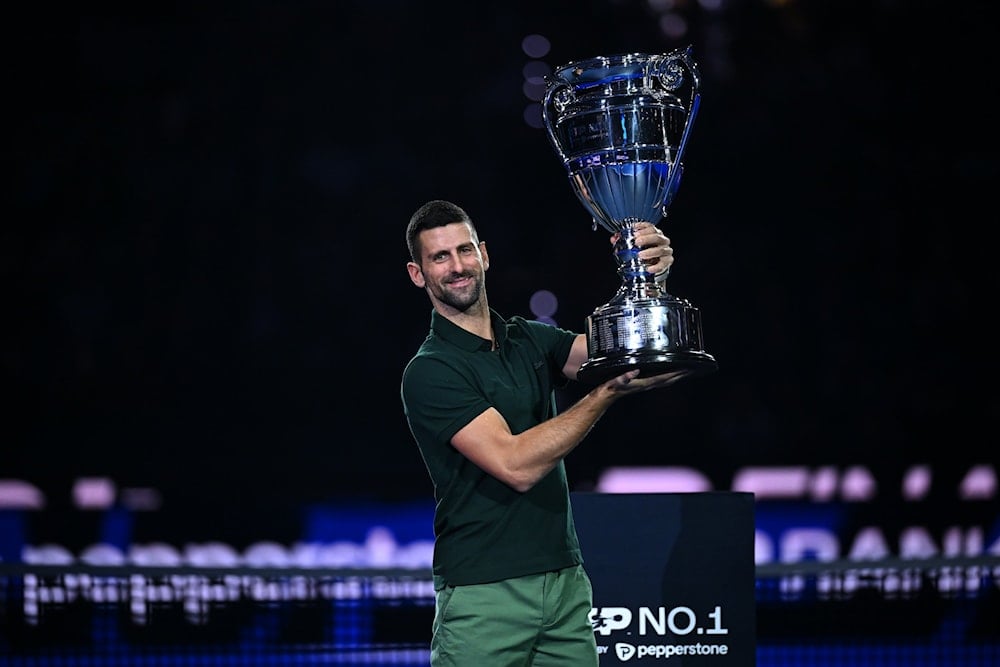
(435, 213)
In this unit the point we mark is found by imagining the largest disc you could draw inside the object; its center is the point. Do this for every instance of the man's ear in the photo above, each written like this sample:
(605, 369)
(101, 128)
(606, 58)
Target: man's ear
(416, 275)
(485, 254)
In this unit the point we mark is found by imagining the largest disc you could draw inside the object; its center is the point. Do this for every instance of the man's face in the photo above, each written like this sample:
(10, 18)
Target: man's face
(453, 265)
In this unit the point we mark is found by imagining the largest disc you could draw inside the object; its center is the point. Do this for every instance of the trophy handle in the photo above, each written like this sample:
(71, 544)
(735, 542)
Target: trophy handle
(559, 94)
(670, 76)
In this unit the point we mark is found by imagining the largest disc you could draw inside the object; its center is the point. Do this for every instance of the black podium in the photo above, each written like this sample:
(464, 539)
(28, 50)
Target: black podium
(673, 576)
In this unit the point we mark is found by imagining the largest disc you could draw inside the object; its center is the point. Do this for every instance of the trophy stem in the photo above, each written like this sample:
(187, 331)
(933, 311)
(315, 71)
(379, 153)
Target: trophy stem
(637, 281)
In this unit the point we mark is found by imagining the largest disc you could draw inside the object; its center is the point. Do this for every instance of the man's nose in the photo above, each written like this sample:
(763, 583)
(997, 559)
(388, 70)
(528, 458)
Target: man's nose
(455, 263)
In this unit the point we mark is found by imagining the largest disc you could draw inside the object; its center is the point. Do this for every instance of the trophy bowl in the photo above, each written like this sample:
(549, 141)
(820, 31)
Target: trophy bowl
(620, 125)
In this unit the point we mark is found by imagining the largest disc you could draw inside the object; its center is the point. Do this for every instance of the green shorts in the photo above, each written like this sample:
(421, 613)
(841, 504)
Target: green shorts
(542, 620)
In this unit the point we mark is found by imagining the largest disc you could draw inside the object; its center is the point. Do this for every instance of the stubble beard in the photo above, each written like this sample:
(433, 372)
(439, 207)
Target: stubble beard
(461, 299)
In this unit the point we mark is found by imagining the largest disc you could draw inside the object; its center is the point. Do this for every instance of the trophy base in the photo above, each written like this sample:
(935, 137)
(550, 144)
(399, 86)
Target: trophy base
(597, 371)
(657, 335)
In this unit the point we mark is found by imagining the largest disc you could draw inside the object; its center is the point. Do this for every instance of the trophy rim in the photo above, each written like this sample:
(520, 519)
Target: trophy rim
(593, 63)
(621, 60)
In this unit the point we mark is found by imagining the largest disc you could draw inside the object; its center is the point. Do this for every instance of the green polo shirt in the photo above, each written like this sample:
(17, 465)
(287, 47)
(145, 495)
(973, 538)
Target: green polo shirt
(485, 530)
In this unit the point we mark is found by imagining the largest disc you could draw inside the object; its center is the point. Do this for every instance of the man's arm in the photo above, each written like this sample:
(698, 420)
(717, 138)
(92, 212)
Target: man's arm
(577, 355)
(521, 460)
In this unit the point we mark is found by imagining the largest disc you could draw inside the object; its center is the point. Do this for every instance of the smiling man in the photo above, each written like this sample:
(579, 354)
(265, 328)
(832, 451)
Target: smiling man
(479, 399)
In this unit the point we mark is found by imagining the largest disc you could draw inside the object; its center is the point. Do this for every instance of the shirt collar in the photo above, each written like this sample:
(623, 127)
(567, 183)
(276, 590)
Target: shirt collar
(470, 342)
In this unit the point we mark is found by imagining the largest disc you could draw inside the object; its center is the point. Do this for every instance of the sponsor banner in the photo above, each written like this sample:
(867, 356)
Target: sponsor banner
(673, 576)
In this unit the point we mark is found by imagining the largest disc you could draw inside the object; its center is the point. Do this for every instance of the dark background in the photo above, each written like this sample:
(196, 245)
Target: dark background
(203, 258)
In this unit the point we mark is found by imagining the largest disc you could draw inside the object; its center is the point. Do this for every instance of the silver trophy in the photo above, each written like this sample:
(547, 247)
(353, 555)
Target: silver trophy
(620, 127)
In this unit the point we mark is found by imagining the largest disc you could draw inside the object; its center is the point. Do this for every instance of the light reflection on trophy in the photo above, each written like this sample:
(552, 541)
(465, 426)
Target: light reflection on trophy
(620, 127)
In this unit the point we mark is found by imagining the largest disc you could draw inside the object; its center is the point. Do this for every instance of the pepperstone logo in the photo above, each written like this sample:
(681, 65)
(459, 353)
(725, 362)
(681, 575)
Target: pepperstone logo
(624, 651)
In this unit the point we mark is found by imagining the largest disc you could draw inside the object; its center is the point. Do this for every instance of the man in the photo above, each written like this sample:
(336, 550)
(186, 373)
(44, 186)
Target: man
(478, 397)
